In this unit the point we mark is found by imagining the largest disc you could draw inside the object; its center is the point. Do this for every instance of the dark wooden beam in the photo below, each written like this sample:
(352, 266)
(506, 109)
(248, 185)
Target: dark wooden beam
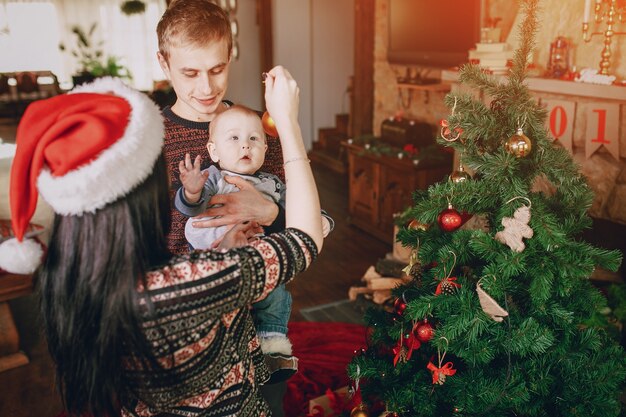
(362, 97)
(264, 21)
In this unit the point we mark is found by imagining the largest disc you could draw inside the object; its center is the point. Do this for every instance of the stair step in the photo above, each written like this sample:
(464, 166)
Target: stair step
(330, 139)
(342, 122)
(334, 162)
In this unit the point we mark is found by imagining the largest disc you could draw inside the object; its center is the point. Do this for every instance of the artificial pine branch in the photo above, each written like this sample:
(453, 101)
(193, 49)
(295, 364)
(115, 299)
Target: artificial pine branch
(527, 42)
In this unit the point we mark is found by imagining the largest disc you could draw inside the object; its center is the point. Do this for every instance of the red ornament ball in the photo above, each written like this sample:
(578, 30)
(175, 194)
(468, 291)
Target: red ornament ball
(449, 220)
(399, 306)
(424, 332)
(268, 125)
(392, 414)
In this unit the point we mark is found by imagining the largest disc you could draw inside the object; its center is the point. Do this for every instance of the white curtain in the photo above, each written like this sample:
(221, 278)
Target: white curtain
(36, 27)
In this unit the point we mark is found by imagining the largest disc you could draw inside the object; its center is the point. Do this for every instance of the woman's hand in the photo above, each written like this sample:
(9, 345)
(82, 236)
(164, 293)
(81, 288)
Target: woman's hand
(239, 235)
(282, 97)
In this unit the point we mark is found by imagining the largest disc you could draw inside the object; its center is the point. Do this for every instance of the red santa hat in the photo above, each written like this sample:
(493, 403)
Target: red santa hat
(80, 151)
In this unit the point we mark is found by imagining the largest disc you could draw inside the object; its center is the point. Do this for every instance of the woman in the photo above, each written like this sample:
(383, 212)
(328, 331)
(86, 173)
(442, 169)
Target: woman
(133, 330)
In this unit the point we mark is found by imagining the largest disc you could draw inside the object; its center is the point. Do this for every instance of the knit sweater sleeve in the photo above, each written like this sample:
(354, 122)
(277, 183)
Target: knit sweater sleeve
(233, 279)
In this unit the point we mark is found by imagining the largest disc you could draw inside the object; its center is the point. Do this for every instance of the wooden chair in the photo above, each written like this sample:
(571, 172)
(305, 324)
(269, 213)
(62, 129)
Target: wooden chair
(27, 90)
(8, 100)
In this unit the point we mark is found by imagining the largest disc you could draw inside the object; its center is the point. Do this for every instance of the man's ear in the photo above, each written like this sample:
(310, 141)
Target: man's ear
(164, 65)
(212, 153)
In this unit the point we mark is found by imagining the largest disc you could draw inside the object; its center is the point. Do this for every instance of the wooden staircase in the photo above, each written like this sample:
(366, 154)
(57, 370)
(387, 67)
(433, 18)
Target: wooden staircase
(327, 151)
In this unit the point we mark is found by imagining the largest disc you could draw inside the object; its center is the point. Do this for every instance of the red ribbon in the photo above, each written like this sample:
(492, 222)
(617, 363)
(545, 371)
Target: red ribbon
(335, 401)
(338, 403)
(405, 348)
(439, 374)
(450, 281)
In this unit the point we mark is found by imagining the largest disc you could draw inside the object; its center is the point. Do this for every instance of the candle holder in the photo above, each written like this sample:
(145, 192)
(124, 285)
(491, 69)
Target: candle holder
(609, 13)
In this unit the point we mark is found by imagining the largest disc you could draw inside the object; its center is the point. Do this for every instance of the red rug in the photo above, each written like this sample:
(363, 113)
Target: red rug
(324, 351)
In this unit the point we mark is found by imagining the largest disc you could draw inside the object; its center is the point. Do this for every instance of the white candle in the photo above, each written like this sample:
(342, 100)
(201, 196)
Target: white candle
(587, 7)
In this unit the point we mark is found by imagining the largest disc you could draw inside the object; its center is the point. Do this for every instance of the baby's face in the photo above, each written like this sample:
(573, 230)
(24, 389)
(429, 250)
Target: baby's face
(238, 143)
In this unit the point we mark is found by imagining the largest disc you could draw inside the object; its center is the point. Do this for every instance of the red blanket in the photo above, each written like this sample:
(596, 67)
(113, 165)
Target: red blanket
(324, 351)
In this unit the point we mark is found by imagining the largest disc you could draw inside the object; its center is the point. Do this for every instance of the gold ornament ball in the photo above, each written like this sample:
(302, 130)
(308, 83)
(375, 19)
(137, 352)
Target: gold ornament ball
(359, 411)
(269, 125)
(417, 225)
(459, 176)
(519, 145)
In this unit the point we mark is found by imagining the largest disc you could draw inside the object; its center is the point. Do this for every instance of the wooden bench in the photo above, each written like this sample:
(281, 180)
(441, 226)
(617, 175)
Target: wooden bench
(11, 286)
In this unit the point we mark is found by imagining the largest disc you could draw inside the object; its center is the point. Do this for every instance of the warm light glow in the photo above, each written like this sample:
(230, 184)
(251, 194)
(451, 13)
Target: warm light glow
(24, 48)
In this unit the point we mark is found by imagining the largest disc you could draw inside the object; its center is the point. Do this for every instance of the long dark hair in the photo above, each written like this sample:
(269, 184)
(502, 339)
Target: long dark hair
(88, 292)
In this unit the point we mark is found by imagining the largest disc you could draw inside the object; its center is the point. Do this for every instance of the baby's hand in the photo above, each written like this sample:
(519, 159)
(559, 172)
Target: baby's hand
(192, 177)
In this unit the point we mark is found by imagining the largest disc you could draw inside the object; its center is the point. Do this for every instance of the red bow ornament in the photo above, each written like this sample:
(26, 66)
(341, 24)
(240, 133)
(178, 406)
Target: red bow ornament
(404, 349)
(439, 374)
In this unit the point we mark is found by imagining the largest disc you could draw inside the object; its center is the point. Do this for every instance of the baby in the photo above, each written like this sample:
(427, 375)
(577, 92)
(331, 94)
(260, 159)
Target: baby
(237, 143)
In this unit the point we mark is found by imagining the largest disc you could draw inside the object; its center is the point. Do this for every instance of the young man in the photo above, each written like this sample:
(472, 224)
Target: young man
(195, 43)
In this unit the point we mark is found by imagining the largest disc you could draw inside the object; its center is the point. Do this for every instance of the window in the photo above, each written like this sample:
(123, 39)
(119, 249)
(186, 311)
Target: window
(31, 31)
(22, 45)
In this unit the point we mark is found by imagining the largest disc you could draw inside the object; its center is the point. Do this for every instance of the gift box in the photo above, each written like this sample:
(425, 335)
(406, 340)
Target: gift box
(331, 404)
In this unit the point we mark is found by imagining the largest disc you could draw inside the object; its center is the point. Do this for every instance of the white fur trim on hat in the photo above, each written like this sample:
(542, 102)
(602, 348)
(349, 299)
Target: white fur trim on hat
(20, 257)
(119, 168)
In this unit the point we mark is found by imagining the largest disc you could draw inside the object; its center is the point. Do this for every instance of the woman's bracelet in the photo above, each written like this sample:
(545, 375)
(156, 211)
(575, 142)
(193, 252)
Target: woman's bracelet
(300, 158)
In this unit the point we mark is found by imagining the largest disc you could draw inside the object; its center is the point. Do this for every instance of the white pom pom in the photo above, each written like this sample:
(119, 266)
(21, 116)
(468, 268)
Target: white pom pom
(20, 257)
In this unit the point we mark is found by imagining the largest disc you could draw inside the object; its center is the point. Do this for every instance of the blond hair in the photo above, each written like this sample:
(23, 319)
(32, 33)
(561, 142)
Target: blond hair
(195, 22)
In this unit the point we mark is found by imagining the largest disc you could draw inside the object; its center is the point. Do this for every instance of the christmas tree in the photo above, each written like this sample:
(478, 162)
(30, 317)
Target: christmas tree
(496, 319)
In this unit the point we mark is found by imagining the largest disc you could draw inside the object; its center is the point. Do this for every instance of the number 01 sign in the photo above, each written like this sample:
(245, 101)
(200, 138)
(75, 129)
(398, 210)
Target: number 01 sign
(601, 129)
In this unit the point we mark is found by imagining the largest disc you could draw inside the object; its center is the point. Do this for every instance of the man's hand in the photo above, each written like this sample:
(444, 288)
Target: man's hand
(245, 205)
(192, 178)
(239, 235)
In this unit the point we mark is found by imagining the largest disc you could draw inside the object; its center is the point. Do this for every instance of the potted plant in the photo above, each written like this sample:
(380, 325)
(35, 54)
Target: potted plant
(91, 60)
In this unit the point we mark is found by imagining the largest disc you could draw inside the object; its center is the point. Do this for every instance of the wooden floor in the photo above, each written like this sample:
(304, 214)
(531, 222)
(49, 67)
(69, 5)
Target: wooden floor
(29, 391)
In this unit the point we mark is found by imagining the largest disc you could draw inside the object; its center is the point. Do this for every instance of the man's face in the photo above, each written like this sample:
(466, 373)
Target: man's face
(199, 76)
(237, 143)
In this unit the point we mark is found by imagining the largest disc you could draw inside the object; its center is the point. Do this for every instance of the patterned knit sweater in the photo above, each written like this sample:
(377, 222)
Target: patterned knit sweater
(202, 332)
(184, 136)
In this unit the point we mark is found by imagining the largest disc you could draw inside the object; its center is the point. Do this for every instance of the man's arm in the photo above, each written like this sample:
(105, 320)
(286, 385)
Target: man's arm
(247, 204)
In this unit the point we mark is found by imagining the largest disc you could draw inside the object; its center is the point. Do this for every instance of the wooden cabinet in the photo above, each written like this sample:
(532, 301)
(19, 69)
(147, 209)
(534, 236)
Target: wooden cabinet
(381, 186)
